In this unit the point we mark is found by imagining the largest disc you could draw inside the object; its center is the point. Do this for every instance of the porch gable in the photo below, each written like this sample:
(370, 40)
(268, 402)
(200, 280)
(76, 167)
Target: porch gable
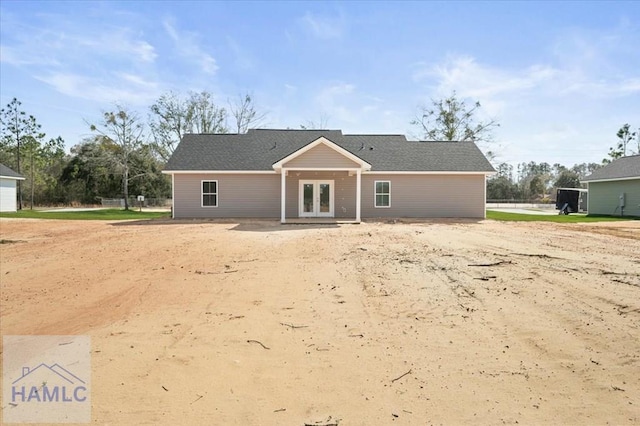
(322, 154)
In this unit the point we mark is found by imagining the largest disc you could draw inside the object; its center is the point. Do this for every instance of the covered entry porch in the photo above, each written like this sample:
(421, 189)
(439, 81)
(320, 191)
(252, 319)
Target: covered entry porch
(320, 196)
(321, 181)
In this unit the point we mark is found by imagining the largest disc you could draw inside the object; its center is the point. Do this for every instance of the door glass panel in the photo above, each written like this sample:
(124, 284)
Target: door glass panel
(307, 198)
(325, 198)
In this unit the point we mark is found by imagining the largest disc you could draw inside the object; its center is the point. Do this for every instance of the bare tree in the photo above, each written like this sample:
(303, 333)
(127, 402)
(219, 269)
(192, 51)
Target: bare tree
(321, 124)
(244, 114)
(204, 116)
(168, 121)
(450, 119)
(124, 132)
(171, 117)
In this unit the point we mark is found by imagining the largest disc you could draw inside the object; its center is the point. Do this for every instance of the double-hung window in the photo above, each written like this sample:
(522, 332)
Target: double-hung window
(209, 193)
(382, 193)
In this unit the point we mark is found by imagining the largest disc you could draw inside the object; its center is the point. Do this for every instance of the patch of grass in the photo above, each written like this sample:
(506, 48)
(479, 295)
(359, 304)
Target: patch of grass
(571, 218)
(103, 214)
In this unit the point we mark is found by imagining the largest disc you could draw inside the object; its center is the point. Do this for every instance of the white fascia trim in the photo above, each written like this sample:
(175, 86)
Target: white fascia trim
(323, 169)
(611, 180)
(12, 177)
(426, 173)
(219, 172)
(327, 142)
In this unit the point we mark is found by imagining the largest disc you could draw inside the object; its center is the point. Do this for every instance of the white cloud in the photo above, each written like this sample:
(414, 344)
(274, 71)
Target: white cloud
(630, 86)
(117, 42)
(329, 94)
(485, 83)
(599, 64)
(59, 45)
(243, 59)
(324, 27)
(605, 88)
(333, 99)
(554, 111)
(138, 81)
(84, 60)
(348, 108)
(9, 56)
(124, 88)
(187, 45)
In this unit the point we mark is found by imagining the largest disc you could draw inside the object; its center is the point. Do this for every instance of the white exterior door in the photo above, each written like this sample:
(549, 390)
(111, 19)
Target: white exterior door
(316, 198)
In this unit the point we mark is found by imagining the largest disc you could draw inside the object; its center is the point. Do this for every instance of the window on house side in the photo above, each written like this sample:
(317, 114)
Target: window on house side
(209, 193)
(382, 193)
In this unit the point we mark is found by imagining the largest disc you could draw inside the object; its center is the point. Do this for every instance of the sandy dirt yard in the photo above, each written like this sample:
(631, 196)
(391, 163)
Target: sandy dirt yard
(255, 323)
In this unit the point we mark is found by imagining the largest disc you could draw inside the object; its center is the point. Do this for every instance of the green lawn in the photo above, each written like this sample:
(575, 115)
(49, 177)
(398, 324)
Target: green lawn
(572, 218)
(106, 214)
(119, 214)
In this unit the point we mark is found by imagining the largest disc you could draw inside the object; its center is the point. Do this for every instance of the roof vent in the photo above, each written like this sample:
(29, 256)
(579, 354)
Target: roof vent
(371, 148)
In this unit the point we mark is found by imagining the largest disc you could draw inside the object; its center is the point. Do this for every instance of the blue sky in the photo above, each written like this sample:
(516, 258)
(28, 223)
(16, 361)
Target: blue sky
(560, 78)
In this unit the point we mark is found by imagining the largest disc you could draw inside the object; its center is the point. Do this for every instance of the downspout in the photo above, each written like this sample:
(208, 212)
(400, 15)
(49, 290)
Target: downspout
(283, 196)
(484, 210)
(173, 195)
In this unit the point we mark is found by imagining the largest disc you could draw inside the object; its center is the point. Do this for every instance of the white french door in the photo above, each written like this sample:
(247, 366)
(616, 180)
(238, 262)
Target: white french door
(316, 198)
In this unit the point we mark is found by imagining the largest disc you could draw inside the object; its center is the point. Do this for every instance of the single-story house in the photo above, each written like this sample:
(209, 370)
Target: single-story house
(615, 188)
(8, 194)
(291, 174)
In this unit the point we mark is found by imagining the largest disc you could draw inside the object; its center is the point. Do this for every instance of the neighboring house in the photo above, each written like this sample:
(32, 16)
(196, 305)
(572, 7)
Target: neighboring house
(615, 188)
(8, 194)
(291, 174)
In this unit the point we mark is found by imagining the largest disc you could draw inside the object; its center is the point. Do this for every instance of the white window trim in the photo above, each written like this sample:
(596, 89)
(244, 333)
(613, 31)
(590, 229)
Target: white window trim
(202, 193)
(375, 193)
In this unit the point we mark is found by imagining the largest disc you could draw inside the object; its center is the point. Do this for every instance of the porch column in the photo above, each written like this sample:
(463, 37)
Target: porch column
(358, 193)
(283, 195)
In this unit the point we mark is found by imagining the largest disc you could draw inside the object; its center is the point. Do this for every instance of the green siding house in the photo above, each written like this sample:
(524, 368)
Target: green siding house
(615, 189)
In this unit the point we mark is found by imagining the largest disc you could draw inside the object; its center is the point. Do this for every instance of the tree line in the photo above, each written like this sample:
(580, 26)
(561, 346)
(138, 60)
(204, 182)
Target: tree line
(535, 181)
(126, 153)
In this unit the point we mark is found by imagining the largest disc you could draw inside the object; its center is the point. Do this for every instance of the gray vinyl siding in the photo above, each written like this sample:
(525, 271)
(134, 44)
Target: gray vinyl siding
(321, 156)
(344, 192)
(427, 196)
(604, 197)
(239, 195)
(258, 195)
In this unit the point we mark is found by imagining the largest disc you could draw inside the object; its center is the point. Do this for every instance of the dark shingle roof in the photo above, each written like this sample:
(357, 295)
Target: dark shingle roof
(6, 171)
(259, 149)
(625, 167)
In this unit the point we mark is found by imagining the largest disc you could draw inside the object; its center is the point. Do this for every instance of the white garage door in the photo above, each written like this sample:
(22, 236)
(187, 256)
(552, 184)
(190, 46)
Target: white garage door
(7, 195)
